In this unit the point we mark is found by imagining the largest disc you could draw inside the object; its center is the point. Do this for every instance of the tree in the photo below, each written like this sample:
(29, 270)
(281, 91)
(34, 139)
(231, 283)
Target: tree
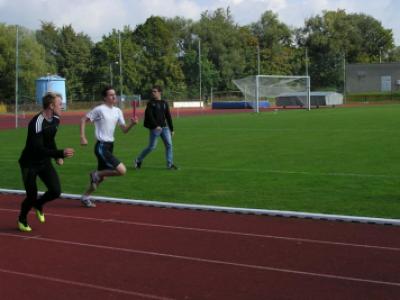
(394, 55)
(48, 37)
(68, 54)
(222, 49)
(336, 34)
(107, 62)
(270, 32)
(371, 39)
(73, 61)
(31, 62)
(275, 42)
(160, 56)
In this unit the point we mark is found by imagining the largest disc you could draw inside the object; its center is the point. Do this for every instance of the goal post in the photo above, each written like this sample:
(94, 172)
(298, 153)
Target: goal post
(270, 87)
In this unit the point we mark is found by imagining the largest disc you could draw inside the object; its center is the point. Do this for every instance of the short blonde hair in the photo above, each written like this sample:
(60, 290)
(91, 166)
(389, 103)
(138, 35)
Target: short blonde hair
(49, 98)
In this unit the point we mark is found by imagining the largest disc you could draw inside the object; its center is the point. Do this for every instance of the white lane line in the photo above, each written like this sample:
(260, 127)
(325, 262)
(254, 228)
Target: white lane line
(213, 261)
(85, 285)
(216, 231)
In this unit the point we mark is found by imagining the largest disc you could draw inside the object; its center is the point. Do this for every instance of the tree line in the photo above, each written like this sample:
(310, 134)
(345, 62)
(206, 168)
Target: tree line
(165, 51)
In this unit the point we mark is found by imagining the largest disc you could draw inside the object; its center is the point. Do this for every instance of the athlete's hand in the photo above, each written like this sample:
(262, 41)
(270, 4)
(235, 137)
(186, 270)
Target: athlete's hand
(134, 120)
(69, 152)
(84, 141)
(59, 161)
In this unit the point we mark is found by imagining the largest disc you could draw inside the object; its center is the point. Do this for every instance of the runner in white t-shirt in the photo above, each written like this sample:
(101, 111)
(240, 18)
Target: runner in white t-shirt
(105, 118)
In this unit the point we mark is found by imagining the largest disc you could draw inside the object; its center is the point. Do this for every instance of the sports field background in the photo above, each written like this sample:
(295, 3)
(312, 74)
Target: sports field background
(333, 160)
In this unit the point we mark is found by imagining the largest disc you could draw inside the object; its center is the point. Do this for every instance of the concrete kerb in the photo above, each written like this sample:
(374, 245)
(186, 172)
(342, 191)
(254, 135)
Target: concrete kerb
(234, 210)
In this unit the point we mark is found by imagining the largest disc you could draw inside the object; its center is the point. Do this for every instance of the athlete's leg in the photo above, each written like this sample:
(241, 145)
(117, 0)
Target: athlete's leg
(51, 180)
(167, 139)
(153, 135)
(108, 165)
(29, 179)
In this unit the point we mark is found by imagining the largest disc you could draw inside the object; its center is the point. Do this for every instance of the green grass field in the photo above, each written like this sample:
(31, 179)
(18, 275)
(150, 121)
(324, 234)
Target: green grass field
(341, 161)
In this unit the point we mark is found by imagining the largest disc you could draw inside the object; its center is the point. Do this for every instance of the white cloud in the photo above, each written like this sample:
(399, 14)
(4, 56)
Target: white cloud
(271, 4)
(168, 8)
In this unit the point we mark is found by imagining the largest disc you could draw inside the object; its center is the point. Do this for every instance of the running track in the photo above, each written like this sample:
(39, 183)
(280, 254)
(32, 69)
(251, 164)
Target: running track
(7, 121)
(120, 251)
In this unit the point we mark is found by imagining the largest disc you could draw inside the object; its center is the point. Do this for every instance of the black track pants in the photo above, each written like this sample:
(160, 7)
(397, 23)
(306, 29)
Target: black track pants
(49, 176)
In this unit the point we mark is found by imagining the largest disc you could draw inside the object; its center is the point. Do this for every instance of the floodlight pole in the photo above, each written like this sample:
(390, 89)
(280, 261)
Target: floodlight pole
(258, 60)
(306, 61)
(16, 76)
(309, 92)
(199, 67)
(344, 78)
(308, 82)
(111, 72)
(257, 93)
(120, 67)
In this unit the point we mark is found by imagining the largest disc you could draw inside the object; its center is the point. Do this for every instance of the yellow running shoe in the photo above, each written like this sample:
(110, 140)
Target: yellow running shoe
(40, 215)
(24, 227)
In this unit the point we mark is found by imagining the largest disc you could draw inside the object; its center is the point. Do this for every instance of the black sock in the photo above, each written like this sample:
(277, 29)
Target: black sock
(38, 207)
(23, 221)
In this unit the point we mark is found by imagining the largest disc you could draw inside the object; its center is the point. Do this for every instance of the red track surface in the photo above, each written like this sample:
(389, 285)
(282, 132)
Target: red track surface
(7, 121)
(132, 252)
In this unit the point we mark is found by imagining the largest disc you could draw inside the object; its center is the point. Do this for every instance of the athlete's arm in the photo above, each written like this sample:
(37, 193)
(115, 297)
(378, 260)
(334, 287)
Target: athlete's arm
(133, 121)
(82, 127)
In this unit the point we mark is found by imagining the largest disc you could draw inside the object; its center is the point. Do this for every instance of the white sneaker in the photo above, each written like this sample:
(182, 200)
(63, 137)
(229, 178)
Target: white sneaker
(137, 164)
(86, 202)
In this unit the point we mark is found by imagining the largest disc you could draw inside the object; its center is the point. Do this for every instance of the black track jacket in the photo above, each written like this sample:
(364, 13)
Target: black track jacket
(40, 145)
(157, 114)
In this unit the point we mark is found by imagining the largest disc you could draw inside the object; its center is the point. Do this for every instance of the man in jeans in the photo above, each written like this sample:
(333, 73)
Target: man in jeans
(157, 119)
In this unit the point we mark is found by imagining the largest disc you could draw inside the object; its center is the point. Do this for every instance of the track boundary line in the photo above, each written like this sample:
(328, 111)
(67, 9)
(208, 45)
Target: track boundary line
(286, 172)
(218, 231)
(86, 285)
(211, 261)
(275, 213)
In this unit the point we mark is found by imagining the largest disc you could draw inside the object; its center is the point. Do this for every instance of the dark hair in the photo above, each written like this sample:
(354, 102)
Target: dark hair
(49, 98)
(157, 87)
(105, 90)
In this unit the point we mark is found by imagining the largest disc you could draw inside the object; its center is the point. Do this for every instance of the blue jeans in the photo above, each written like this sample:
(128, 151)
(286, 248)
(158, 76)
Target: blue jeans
(165, 135)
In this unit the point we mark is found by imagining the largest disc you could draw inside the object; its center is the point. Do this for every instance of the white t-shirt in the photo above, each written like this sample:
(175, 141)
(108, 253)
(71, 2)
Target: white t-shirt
(105, 119)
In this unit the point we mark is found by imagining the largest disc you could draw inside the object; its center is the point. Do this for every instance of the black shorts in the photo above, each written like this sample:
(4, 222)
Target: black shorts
(105, 158)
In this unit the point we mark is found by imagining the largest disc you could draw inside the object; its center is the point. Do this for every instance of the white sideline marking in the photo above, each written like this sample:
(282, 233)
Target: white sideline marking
(86, 285)
(336, 174)
(332, 174)
(217, 231)
(267, 212)
(213, 261)
(295, 130)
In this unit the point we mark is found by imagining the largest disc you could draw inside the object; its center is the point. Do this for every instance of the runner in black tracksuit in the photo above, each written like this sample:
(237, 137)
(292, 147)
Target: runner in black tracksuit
(36, 157)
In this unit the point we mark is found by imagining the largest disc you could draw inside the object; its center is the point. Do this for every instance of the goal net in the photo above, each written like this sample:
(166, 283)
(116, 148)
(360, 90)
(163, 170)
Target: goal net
(259, 88)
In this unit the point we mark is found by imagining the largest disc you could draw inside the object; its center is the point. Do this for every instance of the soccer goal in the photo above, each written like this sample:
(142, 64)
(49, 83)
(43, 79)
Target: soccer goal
(260, 88)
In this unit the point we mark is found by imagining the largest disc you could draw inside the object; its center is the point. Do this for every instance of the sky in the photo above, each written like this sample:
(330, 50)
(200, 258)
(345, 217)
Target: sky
(98, 17)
